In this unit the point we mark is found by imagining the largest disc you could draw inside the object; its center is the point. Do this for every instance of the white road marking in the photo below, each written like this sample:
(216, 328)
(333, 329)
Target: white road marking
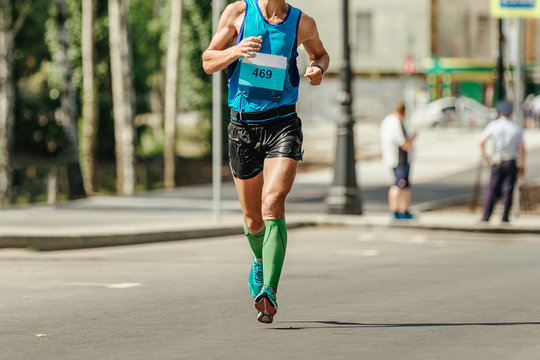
(123, 285)
(370, 253)
(110, 286)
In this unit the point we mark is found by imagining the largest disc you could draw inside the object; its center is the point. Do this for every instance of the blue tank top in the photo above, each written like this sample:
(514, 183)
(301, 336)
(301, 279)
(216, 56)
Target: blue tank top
(270, 79)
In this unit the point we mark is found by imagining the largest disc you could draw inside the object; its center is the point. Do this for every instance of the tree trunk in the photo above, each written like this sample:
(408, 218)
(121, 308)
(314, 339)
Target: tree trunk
(68, 113)
(171, 92)
(8, 30)
(123, 96)
(89, 110)
(6, 97)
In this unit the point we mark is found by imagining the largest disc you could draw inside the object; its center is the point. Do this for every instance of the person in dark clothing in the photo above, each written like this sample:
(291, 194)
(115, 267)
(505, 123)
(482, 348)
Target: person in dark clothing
(507, 159)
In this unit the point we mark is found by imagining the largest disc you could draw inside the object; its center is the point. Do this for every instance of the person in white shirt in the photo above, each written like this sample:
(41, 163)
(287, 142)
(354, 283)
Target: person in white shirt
(396, 146)
(508, 147)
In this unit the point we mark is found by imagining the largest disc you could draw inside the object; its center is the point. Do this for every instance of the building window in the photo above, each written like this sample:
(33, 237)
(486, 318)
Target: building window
(363, 33)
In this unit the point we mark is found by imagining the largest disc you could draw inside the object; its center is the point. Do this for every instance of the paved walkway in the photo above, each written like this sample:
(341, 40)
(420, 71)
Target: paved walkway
(445, 170)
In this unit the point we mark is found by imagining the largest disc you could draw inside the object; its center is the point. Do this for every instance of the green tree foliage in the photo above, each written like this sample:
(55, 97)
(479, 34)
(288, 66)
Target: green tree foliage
(195, 84)
(74, 43)
(147, 24)
(37, 75)
(37, 133)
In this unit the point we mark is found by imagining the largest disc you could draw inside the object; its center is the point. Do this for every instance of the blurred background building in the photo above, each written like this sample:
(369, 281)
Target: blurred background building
(439, 56)
(422, 51)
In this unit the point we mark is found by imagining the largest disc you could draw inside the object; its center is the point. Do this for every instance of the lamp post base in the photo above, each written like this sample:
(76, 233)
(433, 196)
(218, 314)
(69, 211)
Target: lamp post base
(344, 200)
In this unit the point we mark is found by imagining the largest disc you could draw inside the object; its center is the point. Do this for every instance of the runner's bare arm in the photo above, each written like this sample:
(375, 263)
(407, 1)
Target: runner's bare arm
(217, 57)
(309, 37)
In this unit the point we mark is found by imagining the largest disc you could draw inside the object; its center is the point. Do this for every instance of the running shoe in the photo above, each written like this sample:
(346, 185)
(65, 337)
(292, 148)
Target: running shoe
(255, 280)
(266, 305)
(407, 215)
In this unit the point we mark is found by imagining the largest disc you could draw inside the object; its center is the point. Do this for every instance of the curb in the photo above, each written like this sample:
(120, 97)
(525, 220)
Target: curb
(471, 228)
(52, 242)
(71, 242)
(414, 224)
(55, 242)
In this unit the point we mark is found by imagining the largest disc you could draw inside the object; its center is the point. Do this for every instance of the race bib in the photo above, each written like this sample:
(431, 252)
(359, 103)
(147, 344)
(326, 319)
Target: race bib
(264, 71)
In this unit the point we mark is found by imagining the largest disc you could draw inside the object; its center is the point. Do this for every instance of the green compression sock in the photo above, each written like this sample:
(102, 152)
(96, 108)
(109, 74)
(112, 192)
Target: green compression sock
(255, 241)
(274, 245)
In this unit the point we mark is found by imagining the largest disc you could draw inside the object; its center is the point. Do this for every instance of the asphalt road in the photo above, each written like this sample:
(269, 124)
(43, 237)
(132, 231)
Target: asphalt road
(346, 293)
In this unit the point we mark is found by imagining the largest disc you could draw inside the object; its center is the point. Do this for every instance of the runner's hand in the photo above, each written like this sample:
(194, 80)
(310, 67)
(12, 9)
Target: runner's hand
(248, 46)
(314, 75)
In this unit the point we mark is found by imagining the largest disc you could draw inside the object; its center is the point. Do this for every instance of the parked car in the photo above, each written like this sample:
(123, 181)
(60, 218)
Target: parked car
(472, 113)
(452, 112)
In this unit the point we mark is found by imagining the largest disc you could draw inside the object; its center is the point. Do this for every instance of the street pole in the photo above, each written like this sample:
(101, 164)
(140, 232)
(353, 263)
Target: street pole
(518, 101)
(344, 196)
(217, 156)
(501, 93)
(518, 75)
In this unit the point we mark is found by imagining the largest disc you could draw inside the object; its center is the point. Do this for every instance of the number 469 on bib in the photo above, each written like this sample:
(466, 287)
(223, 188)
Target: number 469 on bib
(262, 73)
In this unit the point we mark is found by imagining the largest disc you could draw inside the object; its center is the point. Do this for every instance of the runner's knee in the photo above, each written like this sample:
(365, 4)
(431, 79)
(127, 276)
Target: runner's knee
(273, 206)
(254, 224)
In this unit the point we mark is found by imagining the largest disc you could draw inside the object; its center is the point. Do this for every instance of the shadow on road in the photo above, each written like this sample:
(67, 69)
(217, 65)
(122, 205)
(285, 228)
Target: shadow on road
(351, 325)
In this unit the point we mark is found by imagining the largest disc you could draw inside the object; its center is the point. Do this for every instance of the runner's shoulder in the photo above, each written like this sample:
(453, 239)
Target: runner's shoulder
(307, 26)
(233, 15)
(235, 9)
(306, 20)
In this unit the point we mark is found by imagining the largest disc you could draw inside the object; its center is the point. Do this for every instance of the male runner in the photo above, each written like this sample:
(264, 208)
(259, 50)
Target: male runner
(257, 40)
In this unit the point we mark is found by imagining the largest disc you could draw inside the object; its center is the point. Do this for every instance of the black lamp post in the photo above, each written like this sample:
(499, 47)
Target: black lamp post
(344, 196)
(501, 91)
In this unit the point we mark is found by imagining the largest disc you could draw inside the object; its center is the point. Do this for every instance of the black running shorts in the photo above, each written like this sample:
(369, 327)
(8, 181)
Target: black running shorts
(252, 142)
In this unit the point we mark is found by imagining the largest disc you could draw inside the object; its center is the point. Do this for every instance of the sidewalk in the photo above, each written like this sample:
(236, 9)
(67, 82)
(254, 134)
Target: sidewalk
(444, 171)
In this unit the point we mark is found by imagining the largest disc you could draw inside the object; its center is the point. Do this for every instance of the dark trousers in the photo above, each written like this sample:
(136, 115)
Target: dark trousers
(503, 179)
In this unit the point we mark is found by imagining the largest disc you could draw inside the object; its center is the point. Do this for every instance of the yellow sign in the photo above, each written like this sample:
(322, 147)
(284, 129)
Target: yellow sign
(515, 8)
